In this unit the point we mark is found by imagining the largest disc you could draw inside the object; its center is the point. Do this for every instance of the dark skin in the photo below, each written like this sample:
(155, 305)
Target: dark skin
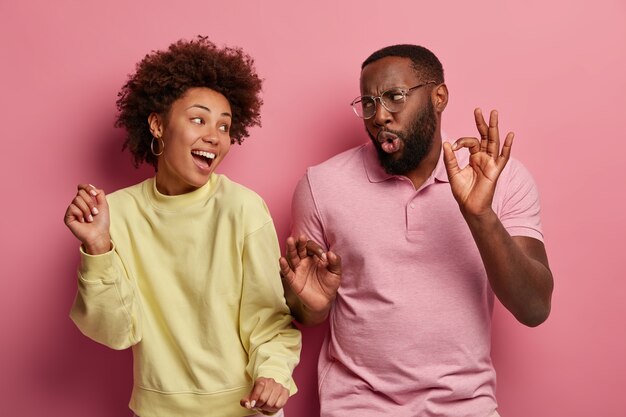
(311, 278)
(516, 266)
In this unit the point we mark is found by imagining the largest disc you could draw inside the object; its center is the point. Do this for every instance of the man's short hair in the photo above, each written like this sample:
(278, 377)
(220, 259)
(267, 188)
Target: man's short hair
(425, 63)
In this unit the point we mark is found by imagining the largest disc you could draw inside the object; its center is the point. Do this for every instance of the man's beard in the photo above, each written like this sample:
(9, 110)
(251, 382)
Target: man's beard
(417, 143)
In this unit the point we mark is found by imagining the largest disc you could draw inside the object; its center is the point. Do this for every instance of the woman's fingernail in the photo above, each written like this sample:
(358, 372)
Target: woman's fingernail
(90, 218)
(95, 210)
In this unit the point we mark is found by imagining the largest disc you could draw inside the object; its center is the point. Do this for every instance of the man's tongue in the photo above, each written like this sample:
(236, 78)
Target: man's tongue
(389, 142)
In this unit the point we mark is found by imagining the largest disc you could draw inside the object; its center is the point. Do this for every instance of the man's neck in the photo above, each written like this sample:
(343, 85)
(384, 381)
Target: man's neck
(423, 171)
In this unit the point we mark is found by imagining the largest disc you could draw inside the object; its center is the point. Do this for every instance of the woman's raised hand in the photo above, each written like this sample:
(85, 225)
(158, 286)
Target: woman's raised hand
(87, 217)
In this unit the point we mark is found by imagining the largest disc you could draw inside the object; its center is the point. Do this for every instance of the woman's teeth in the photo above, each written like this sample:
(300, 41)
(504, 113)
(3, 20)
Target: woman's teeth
(204, 154)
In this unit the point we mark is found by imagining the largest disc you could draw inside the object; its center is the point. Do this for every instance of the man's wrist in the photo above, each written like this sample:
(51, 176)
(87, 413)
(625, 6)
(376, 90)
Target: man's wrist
(482, 222)
(312, 317)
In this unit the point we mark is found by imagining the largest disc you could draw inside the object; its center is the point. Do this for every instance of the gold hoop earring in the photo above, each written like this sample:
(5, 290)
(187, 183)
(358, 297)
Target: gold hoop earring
(162, 145)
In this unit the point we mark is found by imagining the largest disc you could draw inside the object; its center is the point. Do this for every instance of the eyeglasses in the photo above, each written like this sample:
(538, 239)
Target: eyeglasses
(393, 100)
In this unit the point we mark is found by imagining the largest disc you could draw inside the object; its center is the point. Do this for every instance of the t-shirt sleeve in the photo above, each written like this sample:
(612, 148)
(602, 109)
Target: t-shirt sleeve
(517, 202)
(305, 214)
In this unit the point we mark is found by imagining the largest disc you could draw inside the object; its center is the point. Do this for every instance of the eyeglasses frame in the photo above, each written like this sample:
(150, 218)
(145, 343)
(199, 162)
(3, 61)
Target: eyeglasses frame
(405, 93)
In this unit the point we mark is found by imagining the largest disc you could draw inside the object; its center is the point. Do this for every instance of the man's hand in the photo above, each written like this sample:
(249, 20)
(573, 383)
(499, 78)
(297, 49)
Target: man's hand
(87, 217)
(311, 274)
(473, 186)
(517, 267)
(266, 396)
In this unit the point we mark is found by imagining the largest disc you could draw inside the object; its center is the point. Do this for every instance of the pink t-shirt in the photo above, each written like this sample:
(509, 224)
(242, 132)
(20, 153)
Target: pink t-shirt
(410, 330)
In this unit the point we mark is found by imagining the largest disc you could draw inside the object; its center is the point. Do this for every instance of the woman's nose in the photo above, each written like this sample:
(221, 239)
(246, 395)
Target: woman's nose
(210, 137)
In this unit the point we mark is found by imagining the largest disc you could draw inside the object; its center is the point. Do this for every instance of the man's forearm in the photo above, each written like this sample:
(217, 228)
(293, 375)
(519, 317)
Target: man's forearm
(517, 269)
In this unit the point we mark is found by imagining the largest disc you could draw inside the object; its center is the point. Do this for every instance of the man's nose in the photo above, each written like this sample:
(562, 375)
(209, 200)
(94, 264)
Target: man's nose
(382, 115)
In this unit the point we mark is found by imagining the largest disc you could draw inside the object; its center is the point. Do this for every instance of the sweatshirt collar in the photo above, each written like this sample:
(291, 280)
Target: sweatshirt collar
(181, 201)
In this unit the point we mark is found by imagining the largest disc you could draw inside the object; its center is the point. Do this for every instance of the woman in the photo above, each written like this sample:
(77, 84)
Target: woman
(182, 266)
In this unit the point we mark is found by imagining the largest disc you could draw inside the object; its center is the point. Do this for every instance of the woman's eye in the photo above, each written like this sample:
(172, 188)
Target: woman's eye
(197, 120)
(224, 128)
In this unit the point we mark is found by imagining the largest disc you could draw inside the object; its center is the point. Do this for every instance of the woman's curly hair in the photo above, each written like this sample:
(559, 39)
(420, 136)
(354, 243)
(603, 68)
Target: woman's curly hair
(162, 77)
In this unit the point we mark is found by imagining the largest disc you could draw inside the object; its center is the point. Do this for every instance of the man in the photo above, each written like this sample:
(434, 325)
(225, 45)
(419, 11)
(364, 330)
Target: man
(426, 238)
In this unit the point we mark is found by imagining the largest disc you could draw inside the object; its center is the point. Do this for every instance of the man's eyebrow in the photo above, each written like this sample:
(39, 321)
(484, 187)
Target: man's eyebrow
(209, 110)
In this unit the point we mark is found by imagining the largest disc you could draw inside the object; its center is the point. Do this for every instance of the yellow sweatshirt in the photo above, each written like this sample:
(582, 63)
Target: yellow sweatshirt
(193, 285)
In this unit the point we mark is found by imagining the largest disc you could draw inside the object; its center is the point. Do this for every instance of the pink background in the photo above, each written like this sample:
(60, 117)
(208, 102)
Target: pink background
(555, 71)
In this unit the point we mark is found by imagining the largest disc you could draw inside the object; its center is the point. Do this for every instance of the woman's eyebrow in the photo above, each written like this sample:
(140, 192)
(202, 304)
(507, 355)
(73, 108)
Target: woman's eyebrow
(209, 110)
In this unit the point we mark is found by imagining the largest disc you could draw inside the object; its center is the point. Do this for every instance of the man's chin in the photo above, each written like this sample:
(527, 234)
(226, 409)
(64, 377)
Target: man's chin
(395, 163)
(386, 157)
(392, 163)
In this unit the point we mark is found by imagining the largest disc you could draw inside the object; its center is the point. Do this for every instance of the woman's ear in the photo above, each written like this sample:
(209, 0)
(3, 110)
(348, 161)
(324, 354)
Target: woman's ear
(155, 122)
(439, 97)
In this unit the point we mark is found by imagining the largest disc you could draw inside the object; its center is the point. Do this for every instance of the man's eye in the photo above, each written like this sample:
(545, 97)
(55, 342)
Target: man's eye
(395, 96)
(367, 104)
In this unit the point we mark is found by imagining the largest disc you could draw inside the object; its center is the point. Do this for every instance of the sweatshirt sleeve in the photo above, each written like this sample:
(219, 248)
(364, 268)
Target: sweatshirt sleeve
(272, 342)
(106, 308)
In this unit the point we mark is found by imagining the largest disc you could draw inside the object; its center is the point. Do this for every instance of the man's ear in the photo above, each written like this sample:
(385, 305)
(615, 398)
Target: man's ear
(155, 122)
(439, 97)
